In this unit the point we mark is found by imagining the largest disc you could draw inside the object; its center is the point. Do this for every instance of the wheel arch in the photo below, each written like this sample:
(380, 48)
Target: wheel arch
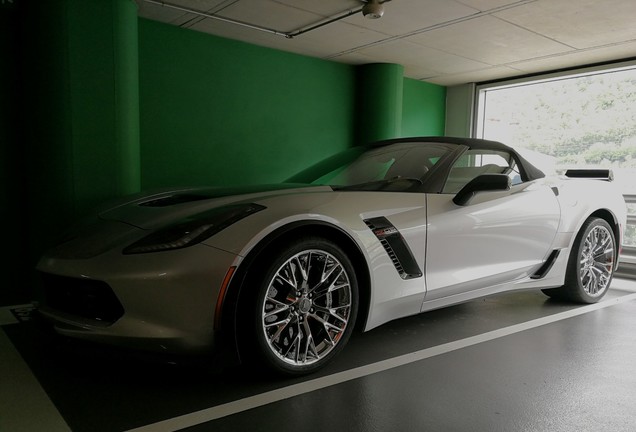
(611, 219)
(230, 329)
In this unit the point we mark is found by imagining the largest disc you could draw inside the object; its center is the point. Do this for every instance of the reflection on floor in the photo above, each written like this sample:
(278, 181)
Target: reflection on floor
(516, 361)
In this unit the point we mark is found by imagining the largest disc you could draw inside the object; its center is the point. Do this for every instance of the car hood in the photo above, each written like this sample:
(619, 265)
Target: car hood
(156, 209)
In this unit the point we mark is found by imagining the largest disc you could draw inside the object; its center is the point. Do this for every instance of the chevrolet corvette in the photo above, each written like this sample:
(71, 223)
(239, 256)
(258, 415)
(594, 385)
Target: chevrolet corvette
(282, 274)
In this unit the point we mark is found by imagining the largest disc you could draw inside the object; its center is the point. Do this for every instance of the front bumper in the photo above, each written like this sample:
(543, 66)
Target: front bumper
(167, 298)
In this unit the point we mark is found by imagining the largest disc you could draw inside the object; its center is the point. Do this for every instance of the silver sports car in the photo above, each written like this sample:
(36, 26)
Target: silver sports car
(283, 273)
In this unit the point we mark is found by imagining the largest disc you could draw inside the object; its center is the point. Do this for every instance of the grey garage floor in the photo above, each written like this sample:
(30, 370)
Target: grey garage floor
(513, 362)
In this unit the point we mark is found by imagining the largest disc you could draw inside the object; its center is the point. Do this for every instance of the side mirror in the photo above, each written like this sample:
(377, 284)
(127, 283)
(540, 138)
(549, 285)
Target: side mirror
(482, 183)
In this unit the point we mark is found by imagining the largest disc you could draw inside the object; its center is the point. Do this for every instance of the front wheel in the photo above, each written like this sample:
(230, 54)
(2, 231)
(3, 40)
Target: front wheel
(305, 307)
(591, 264)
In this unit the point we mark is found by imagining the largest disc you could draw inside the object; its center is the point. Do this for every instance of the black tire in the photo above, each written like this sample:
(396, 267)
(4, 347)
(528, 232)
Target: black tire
(305, 306)
(591, 264)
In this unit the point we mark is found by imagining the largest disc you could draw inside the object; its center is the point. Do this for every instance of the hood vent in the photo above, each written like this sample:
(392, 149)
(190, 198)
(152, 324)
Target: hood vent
(173, 200)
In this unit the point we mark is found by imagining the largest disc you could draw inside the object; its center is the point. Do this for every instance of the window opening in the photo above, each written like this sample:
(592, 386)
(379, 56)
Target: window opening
(581, 120)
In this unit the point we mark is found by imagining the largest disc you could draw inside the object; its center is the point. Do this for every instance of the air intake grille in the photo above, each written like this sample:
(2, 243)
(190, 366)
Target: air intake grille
(395, 246)
(394, 258)
(86, 298)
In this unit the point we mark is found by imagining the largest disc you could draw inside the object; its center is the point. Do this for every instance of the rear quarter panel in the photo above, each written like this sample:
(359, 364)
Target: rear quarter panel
(580, 198)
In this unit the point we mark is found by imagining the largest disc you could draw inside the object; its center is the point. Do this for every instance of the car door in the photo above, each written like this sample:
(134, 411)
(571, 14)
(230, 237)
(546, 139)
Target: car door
(495, 238)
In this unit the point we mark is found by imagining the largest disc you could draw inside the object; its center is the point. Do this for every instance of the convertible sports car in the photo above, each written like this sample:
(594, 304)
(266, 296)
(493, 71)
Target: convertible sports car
(282, 274)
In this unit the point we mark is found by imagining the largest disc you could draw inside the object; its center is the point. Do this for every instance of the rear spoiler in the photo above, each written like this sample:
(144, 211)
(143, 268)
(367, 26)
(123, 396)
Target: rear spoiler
(600, 174)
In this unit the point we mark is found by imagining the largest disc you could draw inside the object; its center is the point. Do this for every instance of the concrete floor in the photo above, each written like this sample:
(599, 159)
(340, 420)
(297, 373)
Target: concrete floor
(513, 362)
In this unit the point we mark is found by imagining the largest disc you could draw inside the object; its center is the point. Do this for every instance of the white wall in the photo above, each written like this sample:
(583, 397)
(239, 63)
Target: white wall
(460, 101)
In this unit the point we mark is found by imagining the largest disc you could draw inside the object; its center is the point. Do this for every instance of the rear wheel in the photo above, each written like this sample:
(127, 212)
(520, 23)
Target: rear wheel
(305, 307)
(591, 264)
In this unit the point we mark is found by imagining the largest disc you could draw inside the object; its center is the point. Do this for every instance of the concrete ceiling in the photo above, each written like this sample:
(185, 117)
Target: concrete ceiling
(445, 42)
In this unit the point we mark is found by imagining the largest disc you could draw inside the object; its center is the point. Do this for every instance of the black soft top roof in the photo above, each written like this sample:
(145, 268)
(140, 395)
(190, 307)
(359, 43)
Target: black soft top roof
(527, 169)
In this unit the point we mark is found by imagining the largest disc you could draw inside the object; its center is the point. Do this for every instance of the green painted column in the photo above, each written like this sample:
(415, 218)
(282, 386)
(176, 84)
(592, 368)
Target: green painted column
(104, 99)
(379, 101)
(126, 74)
(80, 105)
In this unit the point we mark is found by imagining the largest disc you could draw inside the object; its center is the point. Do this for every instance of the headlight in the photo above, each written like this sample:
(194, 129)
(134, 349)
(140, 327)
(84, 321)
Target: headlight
(193, 230)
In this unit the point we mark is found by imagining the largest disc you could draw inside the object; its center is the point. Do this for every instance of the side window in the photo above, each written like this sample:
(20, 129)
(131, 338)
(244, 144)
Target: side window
(399, 167)
(373, 167)
(476, 162)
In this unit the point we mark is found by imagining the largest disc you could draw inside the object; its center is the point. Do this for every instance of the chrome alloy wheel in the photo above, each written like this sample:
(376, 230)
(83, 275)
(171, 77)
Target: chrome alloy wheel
(307, 307)
(597, 261)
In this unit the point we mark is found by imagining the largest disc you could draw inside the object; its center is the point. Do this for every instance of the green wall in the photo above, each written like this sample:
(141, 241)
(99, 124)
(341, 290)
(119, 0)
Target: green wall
(108, 103)
(423, 109)
(216, 111)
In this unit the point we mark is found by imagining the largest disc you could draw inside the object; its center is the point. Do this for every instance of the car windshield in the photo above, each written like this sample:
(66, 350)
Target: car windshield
(397, 167)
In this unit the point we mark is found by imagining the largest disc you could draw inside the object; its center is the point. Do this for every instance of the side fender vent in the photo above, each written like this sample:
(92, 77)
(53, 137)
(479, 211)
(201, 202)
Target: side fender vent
(395, 246)
(546, 266)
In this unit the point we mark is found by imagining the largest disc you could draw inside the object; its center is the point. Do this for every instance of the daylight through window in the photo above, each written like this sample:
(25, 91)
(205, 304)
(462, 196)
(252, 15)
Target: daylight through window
(586, 120)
